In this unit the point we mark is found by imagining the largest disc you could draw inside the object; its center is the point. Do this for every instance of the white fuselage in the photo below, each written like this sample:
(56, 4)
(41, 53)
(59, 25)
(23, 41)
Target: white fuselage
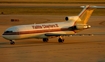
(38, 30)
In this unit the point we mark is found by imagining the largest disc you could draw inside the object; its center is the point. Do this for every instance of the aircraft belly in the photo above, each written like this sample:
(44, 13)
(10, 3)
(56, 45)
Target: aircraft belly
(42, 35)
(63, 32)
(39, 35)
(69, 32)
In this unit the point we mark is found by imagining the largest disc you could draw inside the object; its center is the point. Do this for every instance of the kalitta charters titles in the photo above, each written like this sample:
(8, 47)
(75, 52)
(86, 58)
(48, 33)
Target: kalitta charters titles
(45, 26)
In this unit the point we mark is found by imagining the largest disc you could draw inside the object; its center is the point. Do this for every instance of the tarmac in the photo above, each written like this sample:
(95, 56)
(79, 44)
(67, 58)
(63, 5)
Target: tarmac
(74, 49)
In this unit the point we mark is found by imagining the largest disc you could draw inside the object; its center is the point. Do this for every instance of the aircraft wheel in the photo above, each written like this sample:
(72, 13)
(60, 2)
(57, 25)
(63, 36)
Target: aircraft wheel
(12, 42)
(45, 39)
(60, 40)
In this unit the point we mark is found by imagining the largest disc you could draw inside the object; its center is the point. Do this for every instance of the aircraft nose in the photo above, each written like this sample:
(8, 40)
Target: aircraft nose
(4, 36)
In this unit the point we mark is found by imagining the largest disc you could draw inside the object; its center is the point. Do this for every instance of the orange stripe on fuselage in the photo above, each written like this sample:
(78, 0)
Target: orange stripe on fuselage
(37, 31)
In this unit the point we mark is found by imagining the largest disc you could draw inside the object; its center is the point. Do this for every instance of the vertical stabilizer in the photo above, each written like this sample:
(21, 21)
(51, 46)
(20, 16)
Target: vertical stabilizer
(85, 14)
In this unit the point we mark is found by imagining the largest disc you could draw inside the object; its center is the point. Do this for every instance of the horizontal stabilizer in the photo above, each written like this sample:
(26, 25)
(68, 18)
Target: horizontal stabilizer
(93, 6)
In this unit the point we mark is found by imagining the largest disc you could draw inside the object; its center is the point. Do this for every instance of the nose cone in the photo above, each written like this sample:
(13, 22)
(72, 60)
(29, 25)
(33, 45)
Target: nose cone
(11, 33)
(9, 36)
(7, 33)
(5, 36)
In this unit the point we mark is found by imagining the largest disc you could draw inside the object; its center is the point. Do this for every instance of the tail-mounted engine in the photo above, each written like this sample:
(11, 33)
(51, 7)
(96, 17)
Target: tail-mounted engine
(72, 18)
(81, 26)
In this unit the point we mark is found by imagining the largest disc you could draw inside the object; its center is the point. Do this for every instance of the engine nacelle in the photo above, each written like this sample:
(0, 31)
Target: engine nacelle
(72, 18)
(81, 26)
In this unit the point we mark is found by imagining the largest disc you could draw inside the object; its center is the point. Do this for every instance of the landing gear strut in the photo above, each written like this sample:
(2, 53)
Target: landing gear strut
(60, 39)
(12, 42)
(45, 39)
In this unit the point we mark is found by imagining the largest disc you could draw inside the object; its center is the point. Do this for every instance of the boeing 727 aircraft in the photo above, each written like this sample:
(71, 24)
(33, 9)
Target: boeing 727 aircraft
(72, 25)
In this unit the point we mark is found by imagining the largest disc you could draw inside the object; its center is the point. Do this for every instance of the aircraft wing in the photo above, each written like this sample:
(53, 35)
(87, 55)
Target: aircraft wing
(54, 34)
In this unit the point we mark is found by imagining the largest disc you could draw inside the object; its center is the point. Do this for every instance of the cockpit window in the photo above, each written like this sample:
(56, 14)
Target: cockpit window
(8, 31)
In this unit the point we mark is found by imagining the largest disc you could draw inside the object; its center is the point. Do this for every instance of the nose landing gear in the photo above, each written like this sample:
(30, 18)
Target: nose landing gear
(12, 42)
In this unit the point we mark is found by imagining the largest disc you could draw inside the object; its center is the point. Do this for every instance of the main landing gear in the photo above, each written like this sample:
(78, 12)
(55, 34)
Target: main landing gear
(60, 39)
(45, 39)
(12, 42)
